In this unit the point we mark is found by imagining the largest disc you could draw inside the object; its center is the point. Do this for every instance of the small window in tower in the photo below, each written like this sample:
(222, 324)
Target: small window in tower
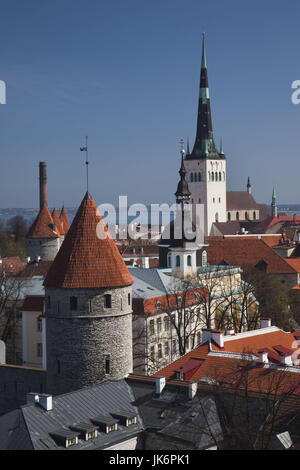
(229, 216)
(220, 176)
(178, 261)
(128, 299)
(199, 176)
(214, 200)
(216, 176)
(254, 215)
(90, 306)
(189, 260)
(237, 216)
(107, 301)
(107, 364)
(219, 200)
(212, 176)
(73, 303)
(199, 200)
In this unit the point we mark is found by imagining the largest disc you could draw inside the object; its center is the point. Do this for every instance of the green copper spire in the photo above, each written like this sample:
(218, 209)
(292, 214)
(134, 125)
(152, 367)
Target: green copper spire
(203, 60)
(273, 198)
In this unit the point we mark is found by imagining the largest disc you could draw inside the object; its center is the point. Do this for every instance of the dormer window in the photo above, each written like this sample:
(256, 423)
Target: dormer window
(65, 437)
(87, 430)
(106, 423)
(126, 418)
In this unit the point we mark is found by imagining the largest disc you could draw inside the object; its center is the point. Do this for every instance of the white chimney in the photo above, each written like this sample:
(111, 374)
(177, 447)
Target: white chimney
(265, 322)
(230, 332)
(206, 335)
(160, 384)
(192, 389)
(263, 356)
(217, 336)
(145, 261)
(46, 401)
(286, 360)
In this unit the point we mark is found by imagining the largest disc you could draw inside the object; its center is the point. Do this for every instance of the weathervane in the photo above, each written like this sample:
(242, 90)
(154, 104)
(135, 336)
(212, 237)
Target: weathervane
(85, 149)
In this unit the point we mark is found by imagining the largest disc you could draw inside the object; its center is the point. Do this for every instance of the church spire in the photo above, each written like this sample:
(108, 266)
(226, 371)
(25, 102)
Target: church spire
(249, 185)
(204, 146)
(182, 194)
(274, 205)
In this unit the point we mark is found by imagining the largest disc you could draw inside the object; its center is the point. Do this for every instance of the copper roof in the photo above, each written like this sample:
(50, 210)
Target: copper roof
(85, 260)
(43, 226)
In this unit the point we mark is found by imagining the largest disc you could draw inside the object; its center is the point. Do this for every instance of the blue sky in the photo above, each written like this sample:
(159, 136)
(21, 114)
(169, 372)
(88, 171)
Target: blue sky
(126, 73)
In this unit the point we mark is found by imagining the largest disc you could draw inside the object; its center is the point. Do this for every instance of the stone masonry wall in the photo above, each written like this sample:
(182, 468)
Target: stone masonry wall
(79, 342)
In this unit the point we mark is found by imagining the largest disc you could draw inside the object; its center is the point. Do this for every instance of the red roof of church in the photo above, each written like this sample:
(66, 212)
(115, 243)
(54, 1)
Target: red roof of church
(240, 200)
(42, 227)
(65, 225)
(85, 260)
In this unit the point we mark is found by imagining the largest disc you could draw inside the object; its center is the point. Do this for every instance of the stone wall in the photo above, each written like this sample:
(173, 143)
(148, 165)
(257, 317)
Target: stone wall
(80, 342)
(46, 248)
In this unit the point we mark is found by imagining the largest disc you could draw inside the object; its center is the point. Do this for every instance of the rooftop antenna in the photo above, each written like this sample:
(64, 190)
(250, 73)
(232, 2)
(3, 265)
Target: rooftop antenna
(85, 149)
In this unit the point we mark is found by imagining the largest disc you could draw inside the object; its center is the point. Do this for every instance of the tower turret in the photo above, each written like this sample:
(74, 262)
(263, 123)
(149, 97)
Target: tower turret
(249, 188)
(88, 307)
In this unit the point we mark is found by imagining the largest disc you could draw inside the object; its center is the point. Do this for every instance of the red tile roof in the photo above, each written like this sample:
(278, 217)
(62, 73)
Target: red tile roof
(86, 260)
(247, 252)
(65, 225)
(35, 268)
(294, 262)
(33, 304)
(227, 369)
(270, 240)
(12, 265)
(42, 227)
(57, 222)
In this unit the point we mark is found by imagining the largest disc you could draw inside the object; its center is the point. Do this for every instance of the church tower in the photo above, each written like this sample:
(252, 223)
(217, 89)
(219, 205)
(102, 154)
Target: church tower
(205, 165)
(273, 204)
(88, 307)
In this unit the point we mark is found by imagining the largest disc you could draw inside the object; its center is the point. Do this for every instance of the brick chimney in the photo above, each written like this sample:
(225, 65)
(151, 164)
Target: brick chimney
(43, 184)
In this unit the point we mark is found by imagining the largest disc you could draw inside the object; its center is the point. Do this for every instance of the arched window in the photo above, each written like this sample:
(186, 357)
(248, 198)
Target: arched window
(73, 303)
(212, 176)
(195, 177)
(246, 215)
(169, 260)
(189, 260)
(229, 217)
(216, 176)
(107, 301)
(220, 176)
(204, 258)
(254, 215)
(192, 177)
(199, 176)
(237, 216)
(217, 217)
(178, 261)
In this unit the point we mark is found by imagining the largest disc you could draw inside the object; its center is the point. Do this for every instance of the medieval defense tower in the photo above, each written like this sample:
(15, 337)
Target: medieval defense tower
(88, 307)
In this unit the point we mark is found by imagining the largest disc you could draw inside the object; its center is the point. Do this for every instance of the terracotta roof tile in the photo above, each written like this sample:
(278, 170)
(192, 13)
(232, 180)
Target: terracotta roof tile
(57, 222)
(65, 225)
(247, 252)
(35, 268)
(12, 265)
(85, 260)
(42, 227)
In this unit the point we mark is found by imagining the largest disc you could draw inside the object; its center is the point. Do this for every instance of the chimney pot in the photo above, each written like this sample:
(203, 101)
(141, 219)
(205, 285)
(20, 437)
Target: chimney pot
(160, 384)
(265, 322)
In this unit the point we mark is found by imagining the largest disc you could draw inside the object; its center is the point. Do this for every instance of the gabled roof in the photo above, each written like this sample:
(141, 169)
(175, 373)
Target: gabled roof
(85, 260)
(65, 225)
(240, 200)
(35, 268)
(43, 226)
(247, 252)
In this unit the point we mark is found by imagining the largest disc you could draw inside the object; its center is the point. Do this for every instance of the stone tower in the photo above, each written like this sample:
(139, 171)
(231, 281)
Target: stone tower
(88, 307)
(43, 239)
(205, 165)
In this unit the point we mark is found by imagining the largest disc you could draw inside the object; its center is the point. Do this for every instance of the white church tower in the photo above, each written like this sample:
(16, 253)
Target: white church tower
(205, 165)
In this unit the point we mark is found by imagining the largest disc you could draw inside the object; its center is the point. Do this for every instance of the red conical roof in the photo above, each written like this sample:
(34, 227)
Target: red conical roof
(85, 260)
(57, 222)
(65, 225)
(43, 226)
